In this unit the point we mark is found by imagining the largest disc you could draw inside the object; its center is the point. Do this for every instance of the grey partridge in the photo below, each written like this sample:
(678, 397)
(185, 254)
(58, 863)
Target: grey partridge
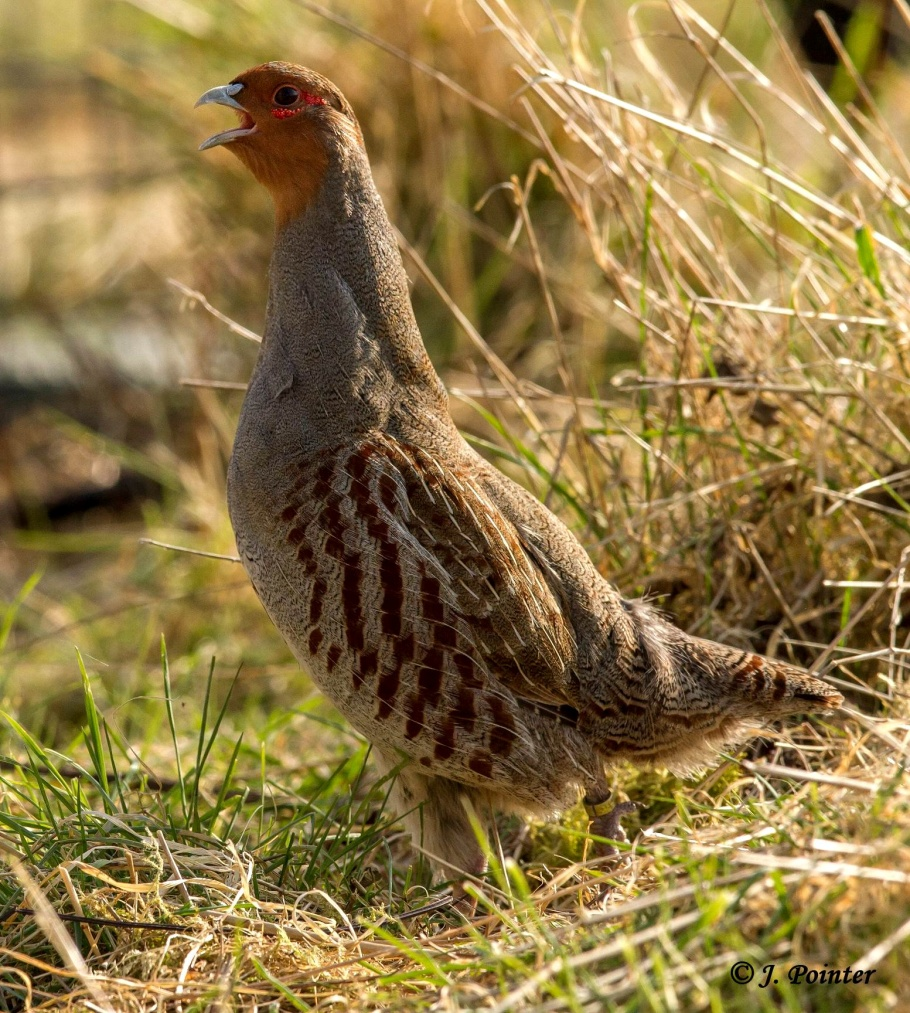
(450, 616)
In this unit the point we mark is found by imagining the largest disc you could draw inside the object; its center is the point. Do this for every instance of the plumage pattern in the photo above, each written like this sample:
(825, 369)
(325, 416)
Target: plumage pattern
(452, 618)
(426, 619)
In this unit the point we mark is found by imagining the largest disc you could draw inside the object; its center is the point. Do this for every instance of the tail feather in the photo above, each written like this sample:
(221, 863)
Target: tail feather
(761, 687)
(666, 697)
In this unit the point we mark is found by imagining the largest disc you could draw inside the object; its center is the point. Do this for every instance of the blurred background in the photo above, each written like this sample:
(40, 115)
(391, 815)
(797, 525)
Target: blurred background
(107, 428)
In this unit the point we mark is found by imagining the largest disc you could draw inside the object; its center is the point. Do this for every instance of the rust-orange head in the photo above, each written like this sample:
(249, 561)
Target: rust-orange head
(291, 122)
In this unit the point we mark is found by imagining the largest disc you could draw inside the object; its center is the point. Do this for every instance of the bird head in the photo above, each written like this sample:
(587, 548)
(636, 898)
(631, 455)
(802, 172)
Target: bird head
(292, 122)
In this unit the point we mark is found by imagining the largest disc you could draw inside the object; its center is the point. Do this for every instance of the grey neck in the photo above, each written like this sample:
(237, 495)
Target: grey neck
(341, 353)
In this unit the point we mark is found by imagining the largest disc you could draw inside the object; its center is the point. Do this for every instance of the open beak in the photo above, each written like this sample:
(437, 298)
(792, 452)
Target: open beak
(224, 96)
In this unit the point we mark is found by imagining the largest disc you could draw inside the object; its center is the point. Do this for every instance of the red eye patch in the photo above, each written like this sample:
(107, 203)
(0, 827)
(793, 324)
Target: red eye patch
(307, 97)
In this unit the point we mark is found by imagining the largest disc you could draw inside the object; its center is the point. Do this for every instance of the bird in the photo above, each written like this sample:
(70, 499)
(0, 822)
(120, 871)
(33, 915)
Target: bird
(451, 617)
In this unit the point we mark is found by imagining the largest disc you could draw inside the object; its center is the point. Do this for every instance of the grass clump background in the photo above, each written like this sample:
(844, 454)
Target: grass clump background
(662, 265)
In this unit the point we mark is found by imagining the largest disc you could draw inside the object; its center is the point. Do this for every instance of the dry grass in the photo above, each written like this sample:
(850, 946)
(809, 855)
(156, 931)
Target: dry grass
(682, 320)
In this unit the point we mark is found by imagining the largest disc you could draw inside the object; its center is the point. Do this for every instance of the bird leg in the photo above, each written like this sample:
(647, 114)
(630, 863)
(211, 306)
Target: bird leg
(438, 815)
(605, 816)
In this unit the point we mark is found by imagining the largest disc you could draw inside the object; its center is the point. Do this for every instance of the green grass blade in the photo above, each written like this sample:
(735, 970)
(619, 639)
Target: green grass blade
(868, 261)
(12, 610)
(169, 705)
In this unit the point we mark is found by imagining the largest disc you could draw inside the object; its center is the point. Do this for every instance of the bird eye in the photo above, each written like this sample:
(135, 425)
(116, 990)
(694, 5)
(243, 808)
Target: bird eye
(286, 96)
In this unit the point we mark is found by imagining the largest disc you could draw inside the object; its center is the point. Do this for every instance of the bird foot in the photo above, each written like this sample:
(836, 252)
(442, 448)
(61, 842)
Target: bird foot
(458, 900)
(605, 822)
(463, 902)
(440, 903)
